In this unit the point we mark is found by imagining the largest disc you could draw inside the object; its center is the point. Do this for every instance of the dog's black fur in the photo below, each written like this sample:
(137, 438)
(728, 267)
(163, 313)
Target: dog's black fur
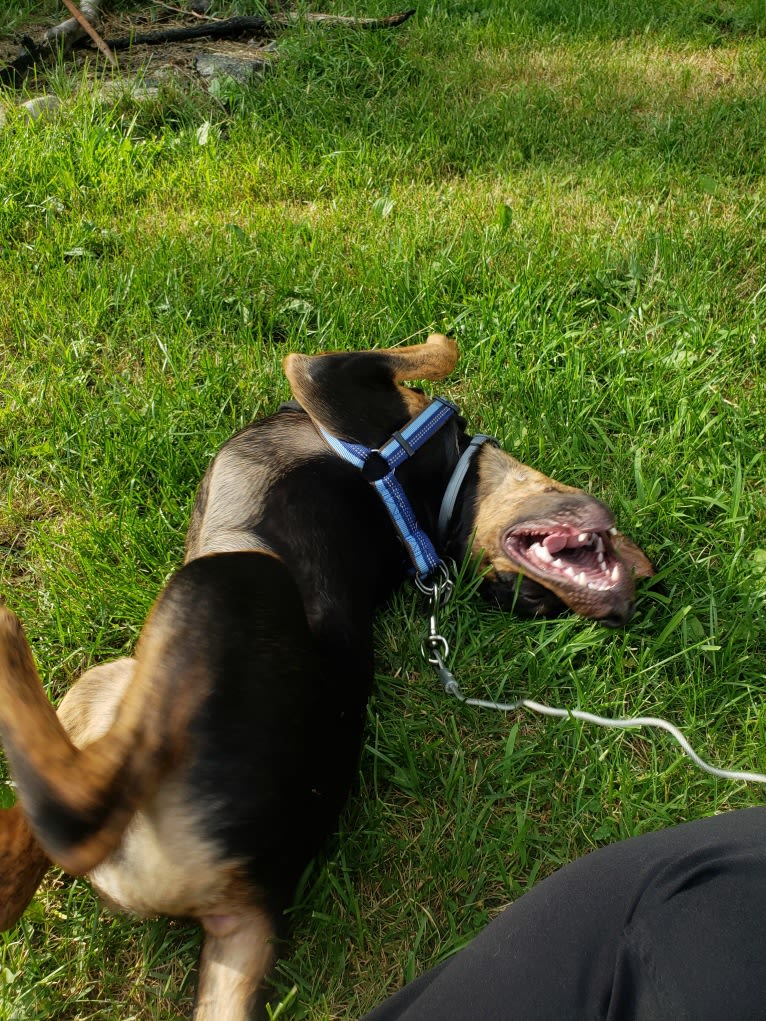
(202, 776)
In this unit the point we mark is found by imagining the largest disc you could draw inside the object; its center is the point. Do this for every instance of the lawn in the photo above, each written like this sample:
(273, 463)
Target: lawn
(576, 191)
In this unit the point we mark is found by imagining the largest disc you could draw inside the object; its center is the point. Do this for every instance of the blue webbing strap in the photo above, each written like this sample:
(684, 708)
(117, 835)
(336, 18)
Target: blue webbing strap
(401, 446)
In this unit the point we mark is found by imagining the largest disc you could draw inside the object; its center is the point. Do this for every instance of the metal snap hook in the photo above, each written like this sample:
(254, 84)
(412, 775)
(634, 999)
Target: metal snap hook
(434, 649)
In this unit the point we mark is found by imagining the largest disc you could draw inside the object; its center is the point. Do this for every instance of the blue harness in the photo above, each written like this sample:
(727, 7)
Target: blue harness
(426, 562)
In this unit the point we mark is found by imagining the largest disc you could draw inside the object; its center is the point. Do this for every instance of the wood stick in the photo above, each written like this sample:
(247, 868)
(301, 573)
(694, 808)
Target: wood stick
(62, 37)
(91, 31)
(232, 28)
(57, 40)
(73, 32)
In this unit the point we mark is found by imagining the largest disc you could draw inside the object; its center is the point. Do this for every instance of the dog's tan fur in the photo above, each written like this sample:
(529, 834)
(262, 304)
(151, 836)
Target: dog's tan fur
(238, 951)
(165, 864)
(118, 769)
(23, 861)
(240, 491)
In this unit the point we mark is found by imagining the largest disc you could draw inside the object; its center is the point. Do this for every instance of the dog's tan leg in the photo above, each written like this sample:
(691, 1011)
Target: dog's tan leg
(23, 863)
(236, 956)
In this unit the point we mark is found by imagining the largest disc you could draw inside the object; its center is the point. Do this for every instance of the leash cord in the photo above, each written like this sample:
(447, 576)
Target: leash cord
(435, 650)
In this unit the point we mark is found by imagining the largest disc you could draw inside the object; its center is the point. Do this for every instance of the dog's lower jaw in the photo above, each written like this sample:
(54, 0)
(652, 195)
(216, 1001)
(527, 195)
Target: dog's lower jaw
(528, 598)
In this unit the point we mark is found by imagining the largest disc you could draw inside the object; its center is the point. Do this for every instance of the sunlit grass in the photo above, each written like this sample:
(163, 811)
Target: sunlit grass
(576, 193)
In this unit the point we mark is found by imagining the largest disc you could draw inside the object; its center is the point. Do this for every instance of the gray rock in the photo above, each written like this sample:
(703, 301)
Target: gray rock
(212, 64)
(128, 89)
(41, 107)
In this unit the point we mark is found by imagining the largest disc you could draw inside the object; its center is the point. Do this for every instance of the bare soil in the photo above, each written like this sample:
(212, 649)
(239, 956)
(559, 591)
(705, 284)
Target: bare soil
(148, 61)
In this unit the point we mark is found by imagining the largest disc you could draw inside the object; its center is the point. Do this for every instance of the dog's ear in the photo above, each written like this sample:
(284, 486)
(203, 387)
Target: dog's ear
(356, 395)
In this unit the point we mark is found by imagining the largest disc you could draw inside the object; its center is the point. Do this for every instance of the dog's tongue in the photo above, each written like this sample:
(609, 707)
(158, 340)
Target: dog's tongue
(555, 543)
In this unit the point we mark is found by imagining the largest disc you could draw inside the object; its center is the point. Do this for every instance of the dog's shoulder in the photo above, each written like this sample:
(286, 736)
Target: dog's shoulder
(231, 494)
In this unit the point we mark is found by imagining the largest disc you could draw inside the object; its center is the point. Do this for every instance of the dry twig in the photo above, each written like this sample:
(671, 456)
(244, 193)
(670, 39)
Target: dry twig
(90, 30)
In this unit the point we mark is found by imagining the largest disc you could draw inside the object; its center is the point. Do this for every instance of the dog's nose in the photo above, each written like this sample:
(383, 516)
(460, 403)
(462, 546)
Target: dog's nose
(619, 616)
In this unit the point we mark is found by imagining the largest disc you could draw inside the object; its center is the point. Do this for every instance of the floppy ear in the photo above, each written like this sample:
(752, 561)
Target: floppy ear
(356, 395)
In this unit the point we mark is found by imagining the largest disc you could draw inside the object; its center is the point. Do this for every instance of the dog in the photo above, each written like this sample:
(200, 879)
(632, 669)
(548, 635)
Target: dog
(200, 777)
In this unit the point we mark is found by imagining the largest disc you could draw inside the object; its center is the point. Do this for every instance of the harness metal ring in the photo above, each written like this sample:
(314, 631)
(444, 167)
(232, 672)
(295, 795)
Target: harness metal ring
(439, 589)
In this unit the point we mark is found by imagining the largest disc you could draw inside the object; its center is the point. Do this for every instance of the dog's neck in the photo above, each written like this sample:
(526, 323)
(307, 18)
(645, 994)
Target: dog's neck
(423, 551)
(379, 468)
(343, 549)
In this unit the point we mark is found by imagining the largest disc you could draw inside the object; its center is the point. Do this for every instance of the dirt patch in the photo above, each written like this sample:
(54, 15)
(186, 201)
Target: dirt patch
(142, 61)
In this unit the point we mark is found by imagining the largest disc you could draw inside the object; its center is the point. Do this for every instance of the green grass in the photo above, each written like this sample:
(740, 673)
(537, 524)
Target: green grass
(577, 193)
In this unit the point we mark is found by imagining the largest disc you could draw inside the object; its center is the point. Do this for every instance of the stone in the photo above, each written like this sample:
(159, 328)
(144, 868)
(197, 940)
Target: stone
(41, 107)
(213, 64)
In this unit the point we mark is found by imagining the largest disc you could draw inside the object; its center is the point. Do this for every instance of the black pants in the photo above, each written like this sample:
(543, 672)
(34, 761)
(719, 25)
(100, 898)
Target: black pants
(668, 926)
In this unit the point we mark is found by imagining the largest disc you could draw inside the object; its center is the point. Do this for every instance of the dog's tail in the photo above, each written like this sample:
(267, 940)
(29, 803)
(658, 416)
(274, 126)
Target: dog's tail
(79, 800)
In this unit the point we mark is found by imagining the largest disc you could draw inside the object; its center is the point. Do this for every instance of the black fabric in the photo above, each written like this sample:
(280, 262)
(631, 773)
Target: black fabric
(667, 926)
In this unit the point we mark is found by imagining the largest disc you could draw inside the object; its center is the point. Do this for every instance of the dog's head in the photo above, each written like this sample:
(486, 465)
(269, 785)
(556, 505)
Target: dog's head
(542, 546)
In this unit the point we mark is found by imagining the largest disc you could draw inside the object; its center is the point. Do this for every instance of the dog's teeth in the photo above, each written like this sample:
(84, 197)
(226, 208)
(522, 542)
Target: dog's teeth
(542, 553)
(601, 561)
(615, 572)
(613, 531)
(569, 572)
(581, 578)
(599, 544)
(583, 537)
(558, 562)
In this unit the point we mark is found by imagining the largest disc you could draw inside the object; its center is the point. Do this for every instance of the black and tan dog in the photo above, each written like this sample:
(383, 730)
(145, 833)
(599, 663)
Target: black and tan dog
(200, 777)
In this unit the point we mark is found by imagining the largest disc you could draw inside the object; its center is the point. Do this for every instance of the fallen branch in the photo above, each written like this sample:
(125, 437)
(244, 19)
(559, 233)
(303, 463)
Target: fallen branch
(84, 23)
(392, 21)
(64, 37)
(233, 28)
(57, 40)
(13, 74)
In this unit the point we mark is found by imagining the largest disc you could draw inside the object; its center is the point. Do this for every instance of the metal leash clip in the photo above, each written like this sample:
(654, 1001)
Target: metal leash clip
(435, 648)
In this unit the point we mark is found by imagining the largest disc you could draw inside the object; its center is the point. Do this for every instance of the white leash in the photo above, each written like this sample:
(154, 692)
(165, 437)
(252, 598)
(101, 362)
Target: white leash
(435, 649)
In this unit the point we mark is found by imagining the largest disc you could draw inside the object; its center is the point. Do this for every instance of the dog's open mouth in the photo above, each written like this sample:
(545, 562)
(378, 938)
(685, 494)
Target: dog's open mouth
(572, 557)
